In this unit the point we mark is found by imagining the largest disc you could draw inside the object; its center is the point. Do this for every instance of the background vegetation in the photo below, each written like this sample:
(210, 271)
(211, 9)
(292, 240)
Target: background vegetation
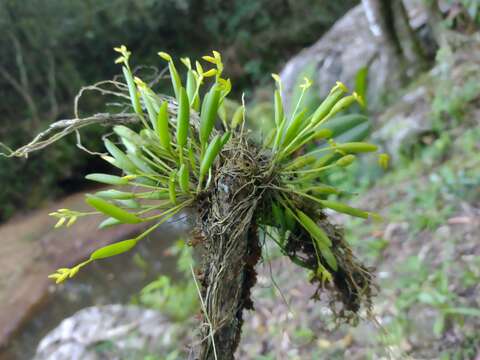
(426, 253)
(50, 49)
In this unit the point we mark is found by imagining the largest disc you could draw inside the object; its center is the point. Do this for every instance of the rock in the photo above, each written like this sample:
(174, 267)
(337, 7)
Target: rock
(441, 94)
(402, 124)
(346, 48)
(123, 330)
(338, 55)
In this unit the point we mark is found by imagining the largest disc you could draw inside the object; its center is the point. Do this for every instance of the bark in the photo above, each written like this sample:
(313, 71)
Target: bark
(231, 253)
(389, 22)
(380, 18)
(407, 39)
(435, 19)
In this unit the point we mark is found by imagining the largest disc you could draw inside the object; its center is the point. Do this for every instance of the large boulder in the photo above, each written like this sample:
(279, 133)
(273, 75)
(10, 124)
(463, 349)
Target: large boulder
(346, 48)
(442, 98)
(338, 55)
(111, 332)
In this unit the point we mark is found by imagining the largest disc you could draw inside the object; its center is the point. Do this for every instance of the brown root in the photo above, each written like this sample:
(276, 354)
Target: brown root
(239, 197)
(352, 285)
(231, 249)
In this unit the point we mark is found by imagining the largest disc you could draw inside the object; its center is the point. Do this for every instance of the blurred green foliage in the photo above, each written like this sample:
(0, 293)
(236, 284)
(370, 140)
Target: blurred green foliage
(50, 49)
(176, 298)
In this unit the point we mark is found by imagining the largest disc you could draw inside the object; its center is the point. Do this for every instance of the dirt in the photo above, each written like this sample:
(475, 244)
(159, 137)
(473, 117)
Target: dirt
(30, 249)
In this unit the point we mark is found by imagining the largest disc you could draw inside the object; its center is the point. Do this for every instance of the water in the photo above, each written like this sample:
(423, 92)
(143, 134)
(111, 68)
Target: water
(115, 280)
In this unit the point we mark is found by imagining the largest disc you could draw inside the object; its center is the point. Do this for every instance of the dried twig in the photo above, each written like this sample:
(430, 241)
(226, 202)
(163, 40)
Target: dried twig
(62, 128)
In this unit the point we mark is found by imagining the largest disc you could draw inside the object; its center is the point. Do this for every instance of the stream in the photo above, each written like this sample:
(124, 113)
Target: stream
(110, 281)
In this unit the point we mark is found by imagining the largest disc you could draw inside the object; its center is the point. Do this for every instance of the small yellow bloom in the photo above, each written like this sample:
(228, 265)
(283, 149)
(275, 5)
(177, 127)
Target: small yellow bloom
(383, 160)
(306, 83)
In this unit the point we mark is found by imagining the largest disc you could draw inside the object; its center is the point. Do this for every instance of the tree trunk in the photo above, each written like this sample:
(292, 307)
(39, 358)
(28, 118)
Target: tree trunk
(435, 19)
(380, 18)
(231, 253)
(407, 39)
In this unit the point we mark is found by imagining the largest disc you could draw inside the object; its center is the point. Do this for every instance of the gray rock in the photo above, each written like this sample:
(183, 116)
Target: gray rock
(402, 124)
(346, 48)
(338, 55)
(123, 330)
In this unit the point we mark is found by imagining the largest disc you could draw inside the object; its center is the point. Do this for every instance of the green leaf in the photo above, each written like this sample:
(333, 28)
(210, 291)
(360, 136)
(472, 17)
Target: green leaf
(113, 249)
(225, 137)
(208, 113)
(183, 117)
(343, 104)
(356, 147)
(107, 179)
(122, 161)
(127, 133)
(109, 222)
(237, 117)
(191, 86)
(301, 162)
(212, 151)
(183, 178)
(141, 164)
(294, 127)
(147, 100)
(329, 258)
(112, 210)
(343, 208)
(326, 106)
(342, 124)
(279, 114)
(176, 81)
(346, 160)
(115, 194)
(172, 191)
(162, 127)
(132, 89)
(278, 216)
(314, 230)
(361, 83)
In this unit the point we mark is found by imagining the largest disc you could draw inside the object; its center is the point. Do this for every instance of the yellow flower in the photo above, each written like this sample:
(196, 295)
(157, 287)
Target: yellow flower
(383, 160)
(306, 83)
